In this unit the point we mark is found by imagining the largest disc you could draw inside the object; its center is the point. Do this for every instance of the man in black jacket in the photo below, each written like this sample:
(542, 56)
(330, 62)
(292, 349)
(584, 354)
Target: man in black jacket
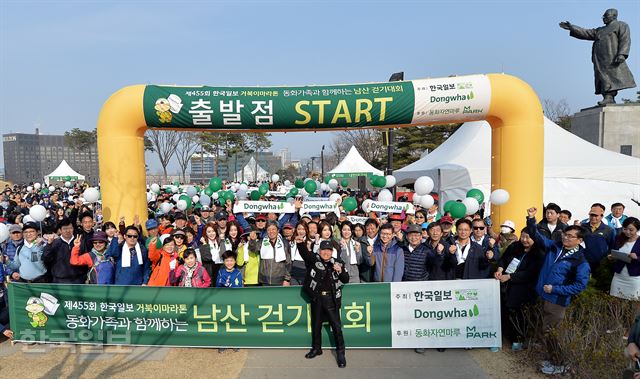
(551, 227)
(325, 277)
(57, 257)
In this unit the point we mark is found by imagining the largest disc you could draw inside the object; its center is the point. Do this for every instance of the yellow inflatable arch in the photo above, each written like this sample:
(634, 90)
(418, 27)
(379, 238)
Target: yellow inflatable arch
(506, 102)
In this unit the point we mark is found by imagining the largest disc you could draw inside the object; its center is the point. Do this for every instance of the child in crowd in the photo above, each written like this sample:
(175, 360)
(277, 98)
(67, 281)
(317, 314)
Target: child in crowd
(229, 276)
(191, 273)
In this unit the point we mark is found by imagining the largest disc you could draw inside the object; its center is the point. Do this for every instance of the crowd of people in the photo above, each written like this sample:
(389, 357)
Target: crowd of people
(551, 258)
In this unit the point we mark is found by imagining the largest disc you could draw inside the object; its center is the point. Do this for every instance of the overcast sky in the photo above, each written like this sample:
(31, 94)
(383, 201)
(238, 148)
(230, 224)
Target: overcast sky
(60, 60)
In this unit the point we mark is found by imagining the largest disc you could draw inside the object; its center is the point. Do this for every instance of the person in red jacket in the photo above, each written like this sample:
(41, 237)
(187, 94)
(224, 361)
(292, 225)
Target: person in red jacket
(191, 273)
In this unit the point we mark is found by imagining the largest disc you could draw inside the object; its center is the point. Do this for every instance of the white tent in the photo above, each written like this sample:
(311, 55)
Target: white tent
(353, 165)
(252, 172)
(576, 172)
(63, 173)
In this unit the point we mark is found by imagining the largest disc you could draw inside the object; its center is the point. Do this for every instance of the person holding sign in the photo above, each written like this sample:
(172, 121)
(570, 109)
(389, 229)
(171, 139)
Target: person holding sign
(626, 279)
(323, 284)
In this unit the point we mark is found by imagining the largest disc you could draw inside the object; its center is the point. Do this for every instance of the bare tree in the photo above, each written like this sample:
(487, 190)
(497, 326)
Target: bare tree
(558, 112)
(164, 143)
(185, 149)
(367, 141)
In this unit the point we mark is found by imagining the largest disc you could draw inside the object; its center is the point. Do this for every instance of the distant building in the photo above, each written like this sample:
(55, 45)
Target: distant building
(202, 169)
(29, 157)
(285, 157)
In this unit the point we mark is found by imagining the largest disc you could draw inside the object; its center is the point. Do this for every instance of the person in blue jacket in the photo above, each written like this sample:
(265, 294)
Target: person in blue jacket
(564, 273)
(131, 258)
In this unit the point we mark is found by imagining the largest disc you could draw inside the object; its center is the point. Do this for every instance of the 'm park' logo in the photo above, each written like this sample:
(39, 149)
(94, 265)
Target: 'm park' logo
(452, 313)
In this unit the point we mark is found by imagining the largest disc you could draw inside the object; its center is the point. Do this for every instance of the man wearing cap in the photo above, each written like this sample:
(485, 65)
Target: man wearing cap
(14, 242)
(396, 219)
(152, 230)
(221, 220)
(323, 283)
(27, 265)
(261, 225)
(205, 214)
(447, 230)
(415, 256)
(506, 237)
(180, 220)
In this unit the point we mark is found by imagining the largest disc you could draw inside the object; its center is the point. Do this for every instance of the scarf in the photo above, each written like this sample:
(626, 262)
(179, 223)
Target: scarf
(295, 254)
(228, 245)
(462, 251)
(615, 223)
(189, 275)
(267, 251)
(99, 256)
(215, 252)
(351, 251)
(126, 255)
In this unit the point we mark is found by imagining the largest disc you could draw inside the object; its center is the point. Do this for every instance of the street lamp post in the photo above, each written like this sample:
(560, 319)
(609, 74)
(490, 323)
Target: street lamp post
(322, 163)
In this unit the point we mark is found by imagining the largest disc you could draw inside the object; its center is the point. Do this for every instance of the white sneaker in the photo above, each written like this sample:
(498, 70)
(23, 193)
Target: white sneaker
(545, 364)
(553, 370)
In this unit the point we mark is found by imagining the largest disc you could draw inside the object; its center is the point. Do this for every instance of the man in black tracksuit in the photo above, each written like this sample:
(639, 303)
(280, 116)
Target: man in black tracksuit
(323, 282)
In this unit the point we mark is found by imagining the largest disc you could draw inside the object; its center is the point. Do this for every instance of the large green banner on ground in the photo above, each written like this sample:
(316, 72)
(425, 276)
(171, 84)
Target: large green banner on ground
(427, 314)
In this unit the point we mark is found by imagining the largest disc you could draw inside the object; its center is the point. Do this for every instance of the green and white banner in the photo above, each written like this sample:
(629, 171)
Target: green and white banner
(382, 315)
(391, 207)
(315, 107)
(263, 207)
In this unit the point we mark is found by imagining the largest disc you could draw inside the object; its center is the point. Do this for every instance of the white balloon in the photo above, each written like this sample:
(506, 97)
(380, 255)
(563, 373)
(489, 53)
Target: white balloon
(71, 191)
(38, 212)
(4, 232)
(174, 189)
(67, 184)
(214, 196)
(275, 178)
(499, 197)
(287, 183)
(318, 187)
(91, 194)
(52, 188)
(324, 187)
(182, 205)
(149, 196)
(191, 191)
(155, 188)
(241, 194)
(175, 197)
(305, 179)
(195, 198)
(205, 199)
(27, 218)
(243, 187)
(471, 204)
(423, 185)
(365, 205)
(385, 195)
(391, 181)
(234, 187)
(335, 197)
(37, 186)
(426, 201)
(166, 207)
(416, 198)
(29, 189)
(302, 192)
(333, 184)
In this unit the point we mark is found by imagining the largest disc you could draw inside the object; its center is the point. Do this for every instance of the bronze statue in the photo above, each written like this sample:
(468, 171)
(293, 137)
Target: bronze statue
(610, 51)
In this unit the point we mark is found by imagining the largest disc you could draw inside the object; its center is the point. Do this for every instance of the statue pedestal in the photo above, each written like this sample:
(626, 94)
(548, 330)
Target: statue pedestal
(615, 127)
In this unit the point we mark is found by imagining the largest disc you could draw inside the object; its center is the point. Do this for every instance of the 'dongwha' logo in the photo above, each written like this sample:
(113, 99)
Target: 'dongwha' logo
(452, 313)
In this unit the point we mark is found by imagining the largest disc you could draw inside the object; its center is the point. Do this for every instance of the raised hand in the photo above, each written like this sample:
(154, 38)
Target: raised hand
(440, 248)
(531, 212)
(76, 242)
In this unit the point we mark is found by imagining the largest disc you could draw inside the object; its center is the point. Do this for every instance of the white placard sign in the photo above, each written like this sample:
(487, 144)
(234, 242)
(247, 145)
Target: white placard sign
(319, 206)
(391, 207)
(263, 207)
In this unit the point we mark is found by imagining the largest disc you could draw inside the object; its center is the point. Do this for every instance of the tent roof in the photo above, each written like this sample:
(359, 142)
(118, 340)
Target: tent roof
(354, 163)
(566, 156)
(63, 170)
(249, 170)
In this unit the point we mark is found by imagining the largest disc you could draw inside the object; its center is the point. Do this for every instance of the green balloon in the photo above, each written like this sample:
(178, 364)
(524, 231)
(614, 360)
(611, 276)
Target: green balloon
(458, 210)
(310, 186)
(381, 181)
(349, 204)
(230, 196)
(176, 183)
(476, 194)
(344, 183)
(67, 178)
(255, 195)
(187, 199)
(293, 191)
(327, 179)
(299, 183)
(168, 190)
(208, 191)
(198, 206)
(447, 205)
(263, 189)
(215, 184)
